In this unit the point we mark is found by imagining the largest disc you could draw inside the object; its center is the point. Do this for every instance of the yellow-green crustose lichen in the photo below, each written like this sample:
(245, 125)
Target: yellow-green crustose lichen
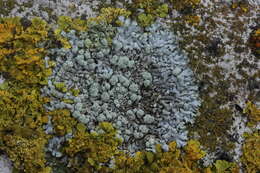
(251, 153)
(21, 52)
(253, 112)
(22, 112)
(150, 10)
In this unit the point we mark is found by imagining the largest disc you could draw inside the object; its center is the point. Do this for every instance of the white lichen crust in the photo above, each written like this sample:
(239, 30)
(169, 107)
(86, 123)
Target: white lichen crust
(139, 81)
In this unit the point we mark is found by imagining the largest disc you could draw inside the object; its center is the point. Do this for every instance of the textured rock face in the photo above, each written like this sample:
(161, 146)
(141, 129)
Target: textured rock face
(139, 81)
(5, 165)
(49, 9)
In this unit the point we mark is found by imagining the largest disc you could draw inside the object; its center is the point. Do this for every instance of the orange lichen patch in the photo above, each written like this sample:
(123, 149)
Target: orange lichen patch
(257, 32)
(251, 153)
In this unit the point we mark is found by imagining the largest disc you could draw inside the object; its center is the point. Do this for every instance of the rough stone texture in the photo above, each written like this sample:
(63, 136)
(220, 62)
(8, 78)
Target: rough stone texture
(1, 79)
(5, 165)
(49, 9)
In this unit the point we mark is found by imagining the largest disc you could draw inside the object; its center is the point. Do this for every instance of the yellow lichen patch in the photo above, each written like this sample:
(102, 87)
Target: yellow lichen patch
(152, 9)
(110, 15)
(130, 164)
(252, 111)
(94, 149)
(22, 106)
(251, 153)
(222, 166)
(20, 54)
(6, 31)
(62, 121)
(193, 151)
(66, 23)
(21, 118)
(35, 33)
(107, 15)
(64, 42)
(69, 101)
(75, 92)
(27, 154)
(173, 161)
(22, 114)
(145, 19)
(61, 86)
